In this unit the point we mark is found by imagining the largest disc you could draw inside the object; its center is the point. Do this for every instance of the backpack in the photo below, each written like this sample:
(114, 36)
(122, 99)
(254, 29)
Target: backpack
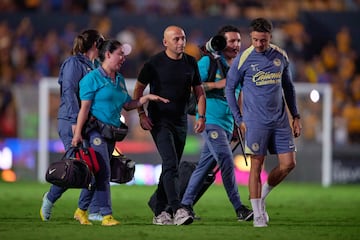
(215, 64)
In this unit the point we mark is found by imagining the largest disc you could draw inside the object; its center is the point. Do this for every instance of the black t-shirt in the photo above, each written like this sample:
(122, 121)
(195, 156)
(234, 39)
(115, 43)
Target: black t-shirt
(171, 79)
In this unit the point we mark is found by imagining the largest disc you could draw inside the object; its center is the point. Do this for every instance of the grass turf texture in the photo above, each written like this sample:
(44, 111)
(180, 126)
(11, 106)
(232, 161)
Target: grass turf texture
(297, 211)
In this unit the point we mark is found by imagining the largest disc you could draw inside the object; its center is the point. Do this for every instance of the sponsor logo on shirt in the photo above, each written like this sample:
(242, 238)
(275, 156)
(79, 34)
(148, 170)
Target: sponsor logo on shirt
(254, 67)
(265, 78)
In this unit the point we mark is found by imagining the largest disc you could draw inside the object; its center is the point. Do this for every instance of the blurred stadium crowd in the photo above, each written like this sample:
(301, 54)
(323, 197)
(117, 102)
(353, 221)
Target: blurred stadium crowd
(26, 56)
(274, 9)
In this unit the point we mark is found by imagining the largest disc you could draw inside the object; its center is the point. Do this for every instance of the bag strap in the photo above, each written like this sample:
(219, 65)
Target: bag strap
(69, 153)
(85, 147)
(214, 65)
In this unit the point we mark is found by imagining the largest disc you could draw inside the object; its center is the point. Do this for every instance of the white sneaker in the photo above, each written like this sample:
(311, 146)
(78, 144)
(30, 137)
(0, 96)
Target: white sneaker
(164, 218)
(266, 217)
(259, 222)
(264, 213)
(183, 217)
(95, 217)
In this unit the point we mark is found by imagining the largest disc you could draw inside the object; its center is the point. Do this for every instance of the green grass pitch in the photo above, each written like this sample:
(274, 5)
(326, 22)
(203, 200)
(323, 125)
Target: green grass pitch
(297, 211)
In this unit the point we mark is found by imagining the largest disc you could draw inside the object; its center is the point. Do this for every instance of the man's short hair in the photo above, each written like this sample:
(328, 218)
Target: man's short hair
(261, 25)
(228, 28)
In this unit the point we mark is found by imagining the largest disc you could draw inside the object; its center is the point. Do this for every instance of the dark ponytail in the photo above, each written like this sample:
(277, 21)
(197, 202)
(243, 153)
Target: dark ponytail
(85, 41)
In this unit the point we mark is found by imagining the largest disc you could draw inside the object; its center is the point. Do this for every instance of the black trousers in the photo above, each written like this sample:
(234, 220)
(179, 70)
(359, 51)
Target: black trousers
(170, 141)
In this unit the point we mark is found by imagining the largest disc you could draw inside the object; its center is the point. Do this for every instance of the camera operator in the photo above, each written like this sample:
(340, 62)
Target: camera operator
(219, 53)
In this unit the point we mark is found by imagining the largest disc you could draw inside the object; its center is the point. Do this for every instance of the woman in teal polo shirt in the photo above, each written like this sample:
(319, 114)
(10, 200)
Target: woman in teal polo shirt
(103, 95)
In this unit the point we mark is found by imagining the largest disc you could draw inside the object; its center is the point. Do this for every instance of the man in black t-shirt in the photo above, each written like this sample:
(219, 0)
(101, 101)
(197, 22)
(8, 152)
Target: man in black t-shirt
(171, 74)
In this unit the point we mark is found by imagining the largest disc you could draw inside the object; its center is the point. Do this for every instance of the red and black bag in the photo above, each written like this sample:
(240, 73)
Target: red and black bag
(69, 172)
(87, 153)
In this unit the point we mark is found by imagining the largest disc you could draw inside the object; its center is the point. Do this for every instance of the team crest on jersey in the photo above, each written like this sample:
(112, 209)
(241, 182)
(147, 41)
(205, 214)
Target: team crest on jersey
(255, 147)
(277, 62)
(97, 141)
(214, 135)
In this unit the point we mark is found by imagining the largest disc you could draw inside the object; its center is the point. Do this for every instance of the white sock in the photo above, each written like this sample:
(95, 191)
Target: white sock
(256, 206)
(265, 190)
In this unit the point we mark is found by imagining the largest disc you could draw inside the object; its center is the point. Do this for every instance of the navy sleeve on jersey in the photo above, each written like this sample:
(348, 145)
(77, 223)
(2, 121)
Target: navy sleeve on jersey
(233, 78)
(289, 91)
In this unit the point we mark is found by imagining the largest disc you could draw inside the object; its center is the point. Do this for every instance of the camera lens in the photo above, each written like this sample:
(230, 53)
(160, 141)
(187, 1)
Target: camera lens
(216, 43)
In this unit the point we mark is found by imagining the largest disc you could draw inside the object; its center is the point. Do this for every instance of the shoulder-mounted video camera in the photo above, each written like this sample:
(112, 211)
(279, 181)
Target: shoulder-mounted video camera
(213, 46)
(216, 43)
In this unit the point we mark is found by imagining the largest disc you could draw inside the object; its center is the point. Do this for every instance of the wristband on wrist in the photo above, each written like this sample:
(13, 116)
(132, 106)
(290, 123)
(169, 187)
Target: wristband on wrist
(205, 86)
(296, 116)
(202, 116)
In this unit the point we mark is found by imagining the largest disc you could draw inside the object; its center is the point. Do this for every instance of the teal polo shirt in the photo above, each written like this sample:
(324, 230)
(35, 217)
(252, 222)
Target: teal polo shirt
(107, 98)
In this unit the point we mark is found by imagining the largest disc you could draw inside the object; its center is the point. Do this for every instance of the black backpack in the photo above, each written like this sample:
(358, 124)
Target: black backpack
(215, 64)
